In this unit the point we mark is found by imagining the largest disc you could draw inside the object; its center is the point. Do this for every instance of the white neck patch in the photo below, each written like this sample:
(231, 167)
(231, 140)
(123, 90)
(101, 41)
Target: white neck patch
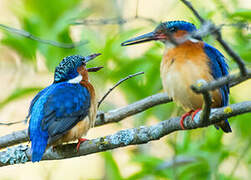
(75, 80)
(193, 40)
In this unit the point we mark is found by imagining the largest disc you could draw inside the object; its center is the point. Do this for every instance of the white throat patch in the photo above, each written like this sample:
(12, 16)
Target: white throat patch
(169, 45)
(194, 40)
(75, 80)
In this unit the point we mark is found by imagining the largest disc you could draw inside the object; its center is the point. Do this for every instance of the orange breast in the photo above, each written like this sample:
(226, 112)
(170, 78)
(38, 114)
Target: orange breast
(183, 66)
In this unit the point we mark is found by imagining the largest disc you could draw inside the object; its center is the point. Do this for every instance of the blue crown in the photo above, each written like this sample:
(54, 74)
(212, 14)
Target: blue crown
(67, 68)
(179, 25)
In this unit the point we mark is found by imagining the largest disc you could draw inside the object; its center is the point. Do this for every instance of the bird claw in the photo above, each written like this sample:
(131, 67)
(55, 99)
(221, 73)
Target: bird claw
(195, 112)
(80, 141)
(183, 117)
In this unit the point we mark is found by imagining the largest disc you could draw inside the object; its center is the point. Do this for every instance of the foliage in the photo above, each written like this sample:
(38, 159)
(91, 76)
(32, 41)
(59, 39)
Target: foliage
(210, 147)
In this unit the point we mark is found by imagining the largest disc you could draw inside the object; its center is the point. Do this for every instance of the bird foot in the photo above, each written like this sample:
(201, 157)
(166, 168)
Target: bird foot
(80, 141)
(183, 117)
(195, 112)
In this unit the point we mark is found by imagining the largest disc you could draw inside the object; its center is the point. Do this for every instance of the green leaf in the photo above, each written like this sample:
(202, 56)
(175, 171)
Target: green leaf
(243, 13)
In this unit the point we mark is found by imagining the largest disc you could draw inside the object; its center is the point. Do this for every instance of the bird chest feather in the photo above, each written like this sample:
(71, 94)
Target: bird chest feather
(180, 68)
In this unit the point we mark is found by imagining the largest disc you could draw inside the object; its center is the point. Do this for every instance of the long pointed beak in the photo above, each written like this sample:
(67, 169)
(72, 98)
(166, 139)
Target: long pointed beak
(94, 69)
(90, 57)
(140, 39)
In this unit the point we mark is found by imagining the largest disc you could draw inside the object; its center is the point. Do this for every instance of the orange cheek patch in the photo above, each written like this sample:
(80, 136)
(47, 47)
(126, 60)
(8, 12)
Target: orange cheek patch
(180, 34)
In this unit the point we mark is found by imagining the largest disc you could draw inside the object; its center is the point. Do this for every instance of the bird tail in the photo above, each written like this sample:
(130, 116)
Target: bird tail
(224, 125)
(38, 146)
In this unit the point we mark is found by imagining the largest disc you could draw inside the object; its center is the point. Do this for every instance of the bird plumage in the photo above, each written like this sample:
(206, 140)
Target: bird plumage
(187, 62)
(65, 110)
(219, 68)
(181, 67)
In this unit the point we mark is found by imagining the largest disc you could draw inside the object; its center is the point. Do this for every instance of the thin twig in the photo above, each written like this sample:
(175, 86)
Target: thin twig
(133, 136)
(99, 22)
(11, 123)
(217, 34)
(117, 20)
(190, 6)
(38, 39)
(232, 53)
(111, 21)
(118, 83)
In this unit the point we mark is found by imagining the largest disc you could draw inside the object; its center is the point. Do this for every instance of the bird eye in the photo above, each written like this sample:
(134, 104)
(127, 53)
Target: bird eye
(173, 29)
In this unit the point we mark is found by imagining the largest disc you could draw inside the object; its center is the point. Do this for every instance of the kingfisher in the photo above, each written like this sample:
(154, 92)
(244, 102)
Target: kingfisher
(187, 60)
(65, 110)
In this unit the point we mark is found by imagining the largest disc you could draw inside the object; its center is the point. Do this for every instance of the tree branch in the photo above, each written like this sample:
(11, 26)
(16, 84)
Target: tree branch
(112, 21)
(141, 135)
(102, 118)
(232, 80)
(206, 108)
(44, 41)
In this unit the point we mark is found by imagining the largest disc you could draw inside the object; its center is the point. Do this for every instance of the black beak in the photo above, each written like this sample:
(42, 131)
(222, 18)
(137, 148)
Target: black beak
(94, 69)
(140, 39)
(90, 57)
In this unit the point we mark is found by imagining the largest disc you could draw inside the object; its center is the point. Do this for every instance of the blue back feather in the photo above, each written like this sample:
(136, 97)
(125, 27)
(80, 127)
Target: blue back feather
(64, 108)
(54, 111)
(37, 136)
(40, 93)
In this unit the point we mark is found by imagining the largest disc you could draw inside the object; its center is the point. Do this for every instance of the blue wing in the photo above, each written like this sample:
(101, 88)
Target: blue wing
(54, 111)
(219, 68)
(64, 108)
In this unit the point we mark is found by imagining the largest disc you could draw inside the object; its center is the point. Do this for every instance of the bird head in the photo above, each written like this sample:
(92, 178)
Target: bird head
(73, 66)
(165, 32)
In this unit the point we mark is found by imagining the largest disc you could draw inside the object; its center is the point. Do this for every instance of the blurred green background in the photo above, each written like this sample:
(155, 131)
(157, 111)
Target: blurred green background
(26, 66)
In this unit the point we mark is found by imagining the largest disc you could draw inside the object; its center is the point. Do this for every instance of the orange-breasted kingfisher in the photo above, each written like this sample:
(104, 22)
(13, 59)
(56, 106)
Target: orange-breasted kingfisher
(65, 110)
(185, 63)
